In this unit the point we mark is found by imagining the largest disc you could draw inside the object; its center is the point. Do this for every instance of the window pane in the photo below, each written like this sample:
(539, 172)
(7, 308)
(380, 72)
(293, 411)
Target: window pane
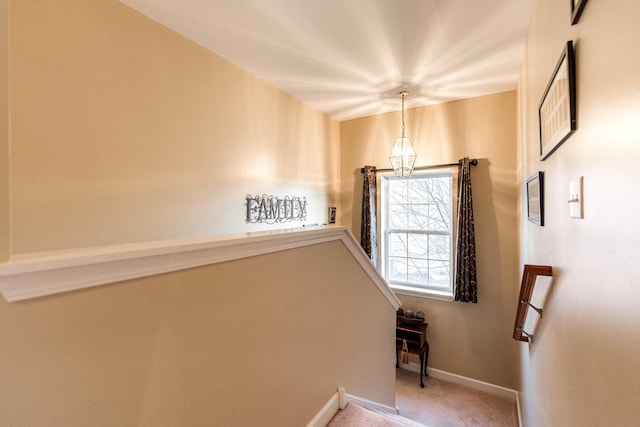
(418, 271)
(441, 190)
(418, 217)
(439, 247)
(439, 274)
(398, 245)
(418, 191)
(439, 218)
(398, 218)
(397, 191)
(418, 246)
(397, 269)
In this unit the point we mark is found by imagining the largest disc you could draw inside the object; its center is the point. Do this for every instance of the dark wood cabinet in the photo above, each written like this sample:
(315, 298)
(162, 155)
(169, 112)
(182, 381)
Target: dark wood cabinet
(416, 338)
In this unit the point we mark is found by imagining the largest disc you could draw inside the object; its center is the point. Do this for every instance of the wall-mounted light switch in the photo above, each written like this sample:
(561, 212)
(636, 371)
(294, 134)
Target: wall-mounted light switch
(575, 198)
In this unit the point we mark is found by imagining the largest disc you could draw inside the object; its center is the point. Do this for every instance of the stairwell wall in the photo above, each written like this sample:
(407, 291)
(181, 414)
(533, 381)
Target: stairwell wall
(582, 367)
(124, 131)
(472, 340)
(262, 341)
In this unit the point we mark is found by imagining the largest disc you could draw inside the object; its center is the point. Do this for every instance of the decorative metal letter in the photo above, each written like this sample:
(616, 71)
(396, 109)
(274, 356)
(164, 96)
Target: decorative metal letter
(271, 209)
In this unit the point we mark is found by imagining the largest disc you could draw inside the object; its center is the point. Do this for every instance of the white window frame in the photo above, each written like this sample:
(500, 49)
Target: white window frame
(403, 288)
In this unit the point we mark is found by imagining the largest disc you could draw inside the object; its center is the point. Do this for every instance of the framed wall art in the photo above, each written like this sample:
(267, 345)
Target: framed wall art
(535, 198)
(576, 10)
(557, 111)
(332, 215)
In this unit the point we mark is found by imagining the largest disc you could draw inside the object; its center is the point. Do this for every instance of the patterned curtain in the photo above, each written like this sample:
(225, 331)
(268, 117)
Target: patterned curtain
(466, 285)
(368, 225)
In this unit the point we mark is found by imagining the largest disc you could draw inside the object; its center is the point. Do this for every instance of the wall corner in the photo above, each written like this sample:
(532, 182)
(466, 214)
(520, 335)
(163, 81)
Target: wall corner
(5, 225)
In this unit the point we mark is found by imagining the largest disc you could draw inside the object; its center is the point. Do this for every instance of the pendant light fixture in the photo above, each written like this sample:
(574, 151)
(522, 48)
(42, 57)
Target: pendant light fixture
(403, 156)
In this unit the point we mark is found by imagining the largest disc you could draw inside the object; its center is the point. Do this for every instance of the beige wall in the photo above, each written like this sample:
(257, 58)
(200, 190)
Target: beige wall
(261, 341)
(473, 340)
(582, 368)
(5, 241)
(124, 131)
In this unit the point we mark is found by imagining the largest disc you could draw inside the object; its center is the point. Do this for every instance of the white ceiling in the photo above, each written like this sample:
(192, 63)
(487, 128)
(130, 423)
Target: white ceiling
(350, 58)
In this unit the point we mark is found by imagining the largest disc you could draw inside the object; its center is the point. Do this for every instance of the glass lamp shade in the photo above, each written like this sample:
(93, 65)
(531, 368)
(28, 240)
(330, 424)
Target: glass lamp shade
(403, 157)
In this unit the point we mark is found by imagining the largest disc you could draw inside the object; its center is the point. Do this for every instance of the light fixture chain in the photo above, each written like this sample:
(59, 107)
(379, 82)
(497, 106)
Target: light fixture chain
(403, 95)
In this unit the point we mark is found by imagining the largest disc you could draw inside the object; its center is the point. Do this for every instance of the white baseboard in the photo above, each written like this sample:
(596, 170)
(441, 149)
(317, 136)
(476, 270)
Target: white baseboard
(518, 409)
(465, 381)
(339, 401)
(327, 412)
(366, 403)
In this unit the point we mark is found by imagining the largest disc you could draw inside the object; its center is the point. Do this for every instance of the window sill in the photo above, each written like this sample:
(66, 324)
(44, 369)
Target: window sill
(437, 295)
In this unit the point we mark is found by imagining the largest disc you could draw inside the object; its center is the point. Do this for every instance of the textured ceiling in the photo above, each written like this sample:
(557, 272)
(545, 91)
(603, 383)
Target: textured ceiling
(350, 58)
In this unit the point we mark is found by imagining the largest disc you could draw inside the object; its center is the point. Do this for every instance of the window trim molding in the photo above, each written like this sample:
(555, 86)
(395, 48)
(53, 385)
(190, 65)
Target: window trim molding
(414, 292)
(382, 265)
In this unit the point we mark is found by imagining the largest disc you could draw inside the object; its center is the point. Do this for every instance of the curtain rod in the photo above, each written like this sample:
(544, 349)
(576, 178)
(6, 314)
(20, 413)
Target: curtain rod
(473, 162)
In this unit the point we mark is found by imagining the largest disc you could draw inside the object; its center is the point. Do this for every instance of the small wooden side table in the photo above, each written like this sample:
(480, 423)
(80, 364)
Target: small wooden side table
(416, 338)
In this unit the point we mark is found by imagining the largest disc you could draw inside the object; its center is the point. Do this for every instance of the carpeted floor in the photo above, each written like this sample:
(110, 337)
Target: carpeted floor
(444, 404)
(439, 404)
(356, 416)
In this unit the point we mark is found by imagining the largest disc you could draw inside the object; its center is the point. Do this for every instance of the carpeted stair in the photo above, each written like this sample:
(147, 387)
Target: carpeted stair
(357, 416)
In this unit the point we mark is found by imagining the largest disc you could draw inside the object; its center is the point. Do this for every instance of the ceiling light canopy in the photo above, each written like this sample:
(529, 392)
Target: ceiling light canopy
(403, 156)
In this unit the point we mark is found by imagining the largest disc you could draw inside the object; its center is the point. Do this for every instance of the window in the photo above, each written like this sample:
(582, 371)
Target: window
(416, 230)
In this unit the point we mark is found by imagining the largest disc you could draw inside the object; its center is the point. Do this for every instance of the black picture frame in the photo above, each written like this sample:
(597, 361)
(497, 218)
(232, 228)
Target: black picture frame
(557, 110)
(535, 198)
(577, 6)
(332, 215)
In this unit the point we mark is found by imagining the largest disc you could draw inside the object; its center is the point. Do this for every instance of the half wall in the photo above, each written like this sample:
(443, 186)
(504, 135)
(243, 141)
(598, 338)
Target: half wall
(263, 340)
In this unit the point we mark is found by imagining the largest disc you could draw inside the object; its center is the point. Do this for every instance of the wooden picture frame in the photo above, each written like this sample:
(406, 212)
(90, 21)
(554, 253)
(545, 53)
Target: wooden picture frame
(557, 110)
(535, 199)
(577, 6)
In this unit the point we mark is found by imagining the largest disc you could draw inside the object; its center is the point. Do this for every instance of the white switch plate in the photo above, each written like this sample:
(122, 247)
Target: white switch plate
(575, 198)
